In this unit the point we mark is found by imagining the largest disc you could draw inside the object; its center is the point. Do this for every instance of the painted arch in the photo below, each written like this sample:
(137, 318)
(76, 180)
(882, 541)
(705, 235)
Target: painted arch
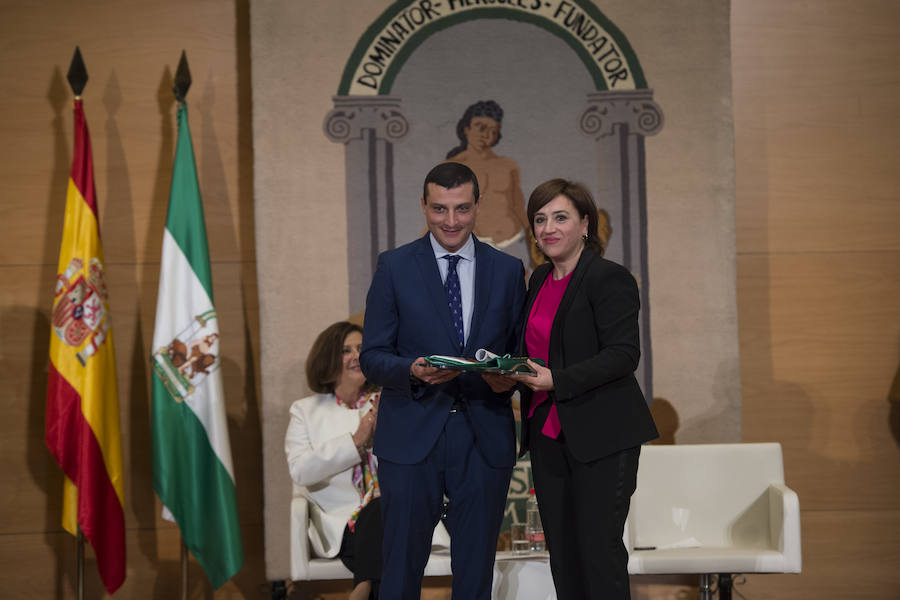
(386, 45)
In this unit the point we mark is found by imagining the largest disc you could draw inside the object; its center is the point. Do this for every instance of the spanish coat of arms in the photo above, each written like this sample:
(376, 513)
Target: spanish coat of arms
(80, 310)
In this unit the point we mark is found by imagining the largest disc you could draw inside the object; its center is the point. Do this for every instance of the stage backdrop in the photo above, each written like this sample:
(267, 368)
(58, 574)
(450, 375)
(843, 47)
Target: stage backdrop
(353, 102)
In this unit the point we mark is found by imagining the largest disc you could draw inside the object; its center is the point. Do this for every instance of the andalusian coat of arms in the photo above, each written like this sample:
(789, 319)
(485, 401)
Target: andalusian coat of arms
(190, 357)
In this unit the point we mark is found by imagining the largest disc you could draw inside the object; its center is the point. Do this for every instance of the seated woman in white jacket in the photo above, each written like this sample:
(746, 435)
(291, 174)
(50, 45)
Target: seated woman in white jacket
(329, 452)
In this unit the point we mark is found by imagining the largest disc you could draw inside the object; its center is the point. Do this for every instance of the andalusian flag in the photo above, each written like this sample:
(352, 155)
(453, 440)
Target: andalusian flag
(192, 470)
(82, 427)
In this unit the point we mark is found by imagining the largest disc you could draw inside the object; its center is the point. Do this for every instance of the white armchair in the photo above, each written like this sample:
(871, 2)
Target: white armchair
(305, 566)
(713, 509)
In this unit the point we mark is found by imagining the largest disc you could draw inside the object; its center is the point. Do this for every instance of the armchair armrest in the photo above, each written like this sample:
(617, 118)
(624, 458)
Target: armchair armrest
(299, 538)
(784, 525)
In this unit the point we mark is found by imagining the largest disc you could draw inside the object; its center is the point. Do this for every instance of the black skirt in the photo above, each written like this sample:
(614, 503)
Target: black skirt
(361, 549)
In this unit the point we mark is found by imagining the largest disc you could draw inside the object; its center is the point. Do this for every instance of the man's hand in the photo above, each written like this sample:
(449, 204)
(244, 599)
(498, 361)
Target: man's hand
(499, 383)
(430, 375)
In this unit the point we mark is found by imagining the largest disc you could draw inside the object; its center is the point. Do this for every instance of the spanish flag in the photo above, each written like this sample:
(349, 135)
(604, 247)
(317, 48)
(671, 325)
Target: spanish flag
(82, 426)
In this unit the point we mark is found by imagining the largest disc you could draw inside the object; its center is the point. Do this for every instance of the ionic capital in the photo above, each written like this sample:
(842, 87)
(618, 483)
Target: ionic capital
(352, 114)
(634, 108)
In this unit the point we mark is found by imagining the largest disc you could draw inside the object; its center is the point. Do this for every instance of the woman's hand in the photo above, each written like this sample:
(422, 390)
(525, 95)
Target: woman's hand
(542, 382)
(365, 433)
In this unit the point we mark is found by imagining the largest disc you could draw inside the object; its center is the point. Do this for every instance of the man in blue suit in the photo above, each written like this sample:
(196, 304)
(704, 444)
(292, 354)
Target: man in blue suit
(442, 433)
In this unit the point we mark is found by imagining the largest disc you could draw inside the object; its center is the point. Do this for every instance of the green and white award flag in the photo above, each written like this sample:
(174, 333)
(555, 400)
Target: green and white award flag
(192, 469)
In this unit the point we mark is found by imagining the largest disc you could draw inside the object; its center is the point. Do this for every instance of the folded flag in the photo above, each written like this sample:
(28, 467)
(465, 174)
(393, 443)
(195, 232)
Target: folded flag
(485, 362)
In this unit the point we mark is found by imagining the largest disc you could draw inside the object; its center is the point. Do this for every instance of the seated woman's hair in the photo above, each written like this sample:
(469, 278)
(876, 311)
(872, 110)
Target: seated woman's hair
(323, 365)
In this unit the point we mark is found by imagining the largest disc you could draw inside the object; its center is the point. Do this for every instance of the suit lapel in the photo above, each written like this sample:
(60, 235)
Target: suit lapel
(434, 287)
(484, 270)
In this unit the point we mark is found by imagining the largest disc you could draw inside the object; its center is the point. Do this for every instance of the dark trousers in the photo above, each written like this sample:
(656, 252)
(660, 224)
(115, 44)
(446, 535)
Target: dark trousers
(361, 549)
(412, 501)
(583, 509)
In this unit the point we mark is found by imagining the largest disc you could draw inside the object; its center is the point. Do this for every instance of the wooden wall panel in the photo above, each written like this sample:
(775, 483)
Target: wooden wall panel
(131, 49)
(817, 214)
(815, 101)
(43, 566)
(847, 555)
(832, 324)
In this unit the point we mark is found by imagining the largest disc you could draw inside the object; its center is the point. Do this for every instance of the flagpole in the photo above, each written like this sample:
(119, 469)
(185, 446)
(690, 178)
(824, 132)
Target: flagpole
(182, 83)
(184, 569)
(77, 78)
(79, 567)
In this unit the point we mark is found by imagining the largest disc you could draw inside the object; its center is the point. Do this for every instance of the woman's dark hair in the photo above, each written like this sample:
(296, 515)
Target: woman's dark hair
(482, 108)
(581, 199)
(323, 365)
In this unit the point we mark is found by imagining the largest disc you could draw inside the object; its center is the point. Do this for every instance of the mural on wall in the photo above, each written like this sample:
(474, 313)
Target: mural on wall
(561, 65)
(387, 84)
(399, 101)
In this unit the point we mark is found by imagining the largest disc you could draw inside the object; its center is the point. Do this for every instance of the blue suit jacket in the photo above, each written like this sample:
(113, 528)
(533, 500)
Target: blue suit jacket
(407, 316)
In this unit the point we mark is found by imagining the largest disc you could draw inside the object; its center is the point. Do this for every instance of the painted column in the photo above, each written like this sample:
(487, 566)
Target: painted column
(368, 126)
(618, 121)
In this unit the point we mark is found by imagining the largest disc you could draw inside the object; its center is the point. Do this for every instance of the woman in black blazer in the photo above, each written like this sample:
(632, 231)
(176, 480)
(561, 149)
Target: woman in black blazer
(584, 418)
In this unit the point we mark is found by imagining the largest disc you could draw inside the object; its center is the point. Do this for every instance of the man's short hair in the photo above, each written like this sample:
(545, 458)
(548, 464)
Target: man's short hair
(450, 175)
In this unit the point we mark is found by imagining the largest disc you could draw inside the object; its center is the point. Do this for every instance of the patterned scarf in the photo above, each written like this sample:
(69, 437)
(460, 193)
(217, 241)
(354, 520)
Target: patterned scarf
(365, 474)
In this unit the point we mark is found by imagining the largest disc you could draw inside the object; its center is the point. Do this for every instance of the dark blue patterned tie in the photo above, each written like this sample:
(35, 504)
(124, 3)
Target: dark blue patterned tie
(454, 297)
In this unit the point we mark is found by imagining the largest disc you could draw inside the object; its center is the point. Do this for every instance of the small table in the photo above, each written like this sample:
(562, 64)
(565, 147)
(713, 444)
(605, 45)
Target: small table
(522, 577)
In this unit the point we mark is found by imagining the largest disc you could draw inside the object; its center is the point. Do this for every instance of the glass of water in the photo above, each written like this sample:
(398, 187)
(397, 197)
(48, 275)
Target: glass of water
(520, 544)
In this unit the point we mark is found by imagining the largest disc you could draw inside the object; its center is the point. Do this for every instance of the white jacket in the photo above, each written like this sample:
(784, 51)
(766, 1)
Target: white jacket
(321, 456)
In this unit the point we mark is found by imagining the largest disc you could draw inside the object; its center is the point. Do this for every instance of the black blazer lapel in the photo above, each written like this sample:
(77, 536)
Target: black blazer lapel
(586, 258)
(534, 285)
(434, 287)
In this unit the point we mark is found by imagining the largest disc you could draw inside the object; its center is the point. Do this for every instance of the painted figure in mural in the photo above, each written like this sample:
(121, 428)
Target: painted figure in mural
(329, 452)
(502, 222)
(584, 417)
(441, 433)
